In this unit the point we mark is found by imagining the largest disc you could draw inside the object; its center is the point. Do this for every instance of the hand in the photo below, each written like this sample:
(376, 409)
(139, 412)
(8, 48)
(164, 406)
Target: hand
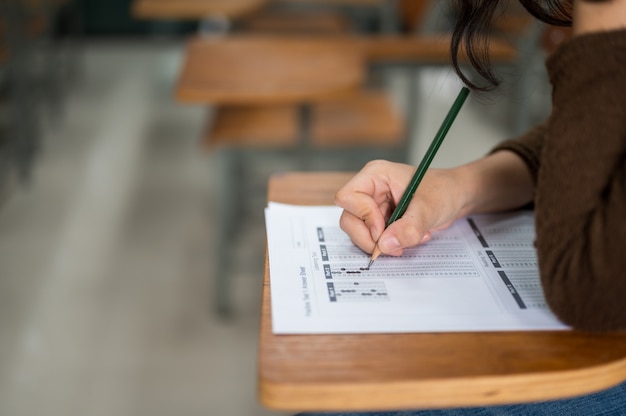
(370, 197)
(500, 181)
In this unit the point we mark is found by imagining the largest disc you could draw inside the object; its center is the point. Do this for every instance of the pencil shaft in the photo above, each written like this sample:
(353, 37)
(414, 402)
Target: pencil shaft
(428, 157)
(424, 164)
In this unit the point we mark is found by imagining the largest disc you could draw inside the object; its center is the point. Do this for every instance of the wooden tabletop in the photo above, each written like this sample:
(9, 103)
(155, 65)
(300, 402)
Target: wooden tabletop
(268, 70)
(194, 9)
(425, 370)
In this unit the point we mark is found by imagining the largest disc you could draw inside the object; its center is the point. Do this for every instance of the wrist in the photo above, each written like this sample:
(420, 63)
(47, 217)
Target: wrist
(499, 181)
(466, 180)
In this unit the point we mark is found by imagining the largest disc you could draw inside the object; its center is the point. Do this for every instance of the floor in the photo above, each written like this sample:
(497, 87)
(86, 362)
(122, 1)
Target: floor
(105, 258)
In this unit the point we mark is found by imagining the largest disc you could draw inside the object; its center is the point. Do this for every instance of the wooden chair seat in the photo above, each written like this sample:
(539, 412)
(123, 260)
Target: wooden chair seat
(360, 120)
(194, 9)
(365, 119)
(253, 127)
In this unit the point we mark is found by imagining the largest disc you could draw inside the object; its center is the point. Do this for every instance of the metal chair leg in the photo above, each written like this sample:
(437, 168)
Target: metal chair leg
(225, 216)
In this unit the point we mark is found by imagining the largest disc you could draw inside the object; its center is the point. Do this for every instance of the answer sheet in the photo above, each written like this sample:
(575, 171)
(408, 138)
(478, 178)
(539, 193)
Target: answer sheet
(478, 275)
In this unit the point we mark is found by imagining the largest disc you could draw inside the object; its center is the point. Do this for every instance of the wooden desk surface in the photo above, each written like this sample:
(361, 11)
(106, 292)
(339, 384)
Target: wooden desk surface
(268, 70)
(194, 9)
(410, 371)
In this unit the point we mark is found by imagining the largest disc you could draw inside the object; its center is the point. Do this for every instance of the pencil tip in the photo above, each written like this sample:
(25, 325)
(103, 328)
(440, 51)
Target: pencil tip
(369, 264)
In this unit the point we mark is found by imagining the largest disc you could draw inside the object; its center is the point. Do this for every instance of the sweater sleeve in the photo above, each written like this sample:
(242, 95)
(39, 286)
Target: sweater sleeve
(528, 147)
(580, 203)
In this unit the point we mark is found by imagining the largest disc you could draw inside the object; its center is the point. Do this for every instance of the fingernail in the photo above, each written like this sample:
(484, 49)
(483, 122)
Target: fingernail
(374, 233)
(389, 244)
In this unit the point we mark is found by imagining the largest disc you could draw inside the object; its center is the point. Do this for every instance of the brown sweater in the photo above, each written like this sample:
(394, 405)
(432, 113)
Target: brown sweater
(578, 160)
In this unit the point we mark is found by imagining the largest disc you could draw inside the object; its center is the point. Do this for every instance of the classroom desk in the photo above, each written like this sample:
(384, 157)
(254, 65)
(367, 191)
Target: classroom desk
(422, 370)
(195, 9)
(267, 70)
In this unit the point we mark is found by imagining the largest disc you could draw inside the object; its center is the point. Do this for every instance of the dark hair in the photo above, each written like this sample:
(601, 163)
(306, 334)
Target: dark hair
(472, 31)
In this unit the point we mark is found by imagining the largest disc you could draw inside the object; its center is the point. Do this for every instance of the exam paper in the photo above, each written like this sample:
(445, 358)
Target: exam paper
(478, 275)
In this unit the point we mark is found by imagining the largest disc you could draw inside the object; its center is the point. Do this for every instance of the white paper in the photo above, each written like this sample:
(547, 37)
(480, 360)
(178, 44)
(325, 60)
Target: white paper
(478, 275)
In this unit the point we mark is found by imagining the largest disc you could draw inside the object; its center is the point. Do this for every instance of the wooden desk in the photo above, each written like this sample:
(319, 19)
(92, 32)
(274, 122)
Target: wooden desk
(410, 371)
(253, 70)
(194, 9)
(266, 69)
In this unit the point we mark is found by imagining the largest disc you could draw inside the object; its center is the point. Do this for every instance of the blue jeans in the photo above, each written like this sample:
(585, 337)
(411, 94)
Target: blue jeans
(607, 402)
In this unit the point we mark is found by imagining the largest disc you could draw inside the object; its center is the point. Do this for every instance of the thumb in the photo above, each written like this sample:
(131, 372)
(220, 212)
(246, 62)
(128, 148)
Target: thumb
(401, 234)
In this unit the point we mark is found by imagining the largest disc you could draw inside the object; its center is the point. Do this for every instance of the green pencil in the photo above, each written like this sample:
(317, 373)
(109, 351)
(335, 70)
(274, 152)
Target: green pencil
(424, 164)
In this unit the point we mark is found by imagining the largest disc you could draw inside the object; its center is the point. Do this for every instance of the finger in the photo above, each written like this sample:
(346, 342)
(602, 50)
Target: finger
(358, 231)
(365, 208)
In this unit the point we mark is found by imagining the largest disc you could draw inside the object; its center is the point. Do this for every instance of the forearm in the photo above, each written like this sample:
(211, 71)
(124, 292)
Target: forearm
(497, 182)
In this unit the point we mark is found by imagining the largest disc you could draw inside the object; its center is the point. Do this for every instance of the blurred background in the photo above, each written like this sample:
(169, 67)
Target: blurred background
(136, 139)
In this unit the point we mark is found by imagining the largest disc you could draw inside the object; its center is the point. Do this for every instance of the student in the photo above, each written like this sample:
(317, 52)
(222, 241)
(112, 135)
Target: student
(572, 167)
